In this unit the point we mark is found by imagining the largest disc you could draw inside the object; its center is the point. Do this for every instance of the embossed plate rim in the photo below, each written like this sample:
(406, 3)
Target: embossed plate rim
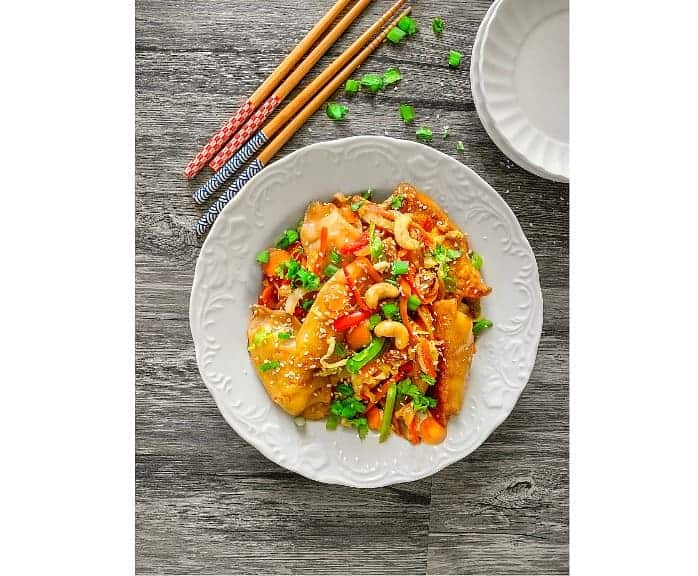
(339, 457)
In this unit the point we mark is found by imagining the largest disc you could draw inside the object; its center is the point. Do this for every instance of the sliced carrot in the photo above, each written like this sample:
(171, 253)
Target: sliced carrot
(372, 272)
(374, 416)
(268, 296)
(276, 258)
(354, 290)
(431, 431)
(426, 357)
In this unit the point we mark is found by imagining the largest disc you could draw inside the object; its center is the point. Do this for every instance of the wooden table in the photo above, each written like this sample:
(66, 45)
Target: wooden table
(206, 501)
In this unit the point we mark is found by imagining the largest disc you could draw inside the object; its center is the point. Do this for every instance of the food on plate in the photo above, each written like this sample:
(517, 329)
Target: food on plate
(368, 314)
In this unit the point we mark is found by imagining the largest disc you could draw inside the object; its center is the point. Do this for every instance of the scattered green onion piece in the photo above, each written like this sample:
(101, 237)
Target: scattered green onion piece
(285, 335)
(396, 202)
(287, 238)
(400, 267)
(481, 324)
(367, 194)
(373, 321)
(307, 304)
(332, 421)
(437, 25)
(446, 132)
(390, 310)
(269, 365)
(299, 421)
(424, 134)
(454, 58)
(330, 270)
(375, 243)
(408, 25)
(407, 113)
(391, 76)
(352, 86)
(356, 205)
(396, 35)
(460, 146)
(392, 281)
(476, 260)
(428, 379)
(361, 425)
(373, 82)
(386, 422)
(347, 407)
(262, 257)
(344, 390)
(336, 258)
(336, 111)
(413, 303)
(340, 350)
(360, 359)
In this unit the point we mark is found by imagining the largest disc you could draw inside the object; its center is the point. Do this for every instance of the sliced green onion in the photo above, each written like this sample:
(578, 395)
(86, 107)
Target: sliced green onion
(269, 365)
(407, 113)
(299, 421)
(390, 310)
(408, 25)
(336, 258)
(285, 335)
(356, 205)
(481, 324)
(367, 194)
(396, 35)
(460, 146)
(361, 425)
(387, 420)
(340, 350)
(373, 82)
(430, 380)
(287, 238)
(392, 281)
(391, 76)
(332, 421)
(336, 111)
(446, 132)
(262, 257)
(437, 25)
(352, 86)
(360, 359)
(454, 58)
(396, 202)
(476, 260)
(330, 270)
(400, 267)
(375, 243)
(424, 134)
(373, 321)
(413, 303)
(307, 304)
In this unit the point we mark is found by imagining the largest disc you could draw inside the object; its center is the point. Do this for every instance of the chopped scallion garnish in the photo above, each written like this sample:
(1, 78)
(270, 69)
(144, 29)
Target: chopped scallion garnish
(407, 25)
(269, 365)
(476, 260)
(396, 202)
(336, 258)
(360, 359)
(390, 310)
(299, 421)
(330, 270)
(340, 350)
(352, 86)
(307, 304)
(407, 113)
(396, 35)
(375, 243)
(430, 380)
(366, 194)
(391, 76)
(336, 111)
(424, 134)
(332, 421)
(446, 132)
(262, 257)
(437, 25)
(356, 205)
(287, 238)
(386, 422)
(400, 267)
(481, 324)
(373, 82)
(413, 303)
(285, 335)
(454, 58)
(460, 146)
(373, 321)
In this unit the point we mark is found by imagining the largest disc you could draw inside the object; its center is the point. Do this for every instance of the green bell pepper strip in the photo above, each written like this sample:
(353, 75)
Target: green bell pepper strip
(360, 359)
(388, 412)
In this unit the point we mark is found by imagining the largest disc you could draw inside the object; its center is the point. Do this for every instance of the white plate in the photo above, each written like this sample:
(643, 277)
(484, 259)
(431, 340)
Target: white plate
(227, 280)
(523, 66)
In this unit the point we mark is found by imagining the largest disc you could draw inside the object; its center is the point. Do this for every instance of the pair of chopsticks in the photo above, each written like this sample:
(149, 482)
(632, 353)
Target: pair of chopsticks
(219, 139)
(298, 111)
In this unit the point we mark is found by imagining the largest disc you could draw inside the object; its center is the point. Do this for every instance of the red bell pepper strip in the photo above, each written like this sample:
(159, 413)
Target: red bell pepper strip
(352, 247)
(348, 320)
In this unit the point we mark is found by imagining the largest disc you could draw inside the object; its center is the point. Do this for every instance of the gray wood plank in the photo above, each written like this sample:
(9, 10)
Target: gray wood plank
(207, 502)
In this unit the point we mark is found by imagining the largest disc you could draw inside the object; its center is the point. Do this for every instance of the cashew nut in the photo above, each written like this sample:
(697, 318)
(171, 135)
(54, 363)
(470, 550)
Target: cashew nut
(392, 329)
(378, 292)
(402, 233)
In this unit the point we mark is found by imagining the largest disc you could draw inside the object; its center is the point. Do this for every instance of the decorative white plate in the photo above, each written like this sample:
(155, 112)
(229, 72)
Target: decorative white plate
(523, 67)
(227, 279)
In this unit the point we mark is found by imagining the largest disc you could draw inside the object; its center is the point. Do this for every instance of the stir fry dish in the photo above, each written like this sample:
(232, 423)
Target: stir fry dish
(368, 315)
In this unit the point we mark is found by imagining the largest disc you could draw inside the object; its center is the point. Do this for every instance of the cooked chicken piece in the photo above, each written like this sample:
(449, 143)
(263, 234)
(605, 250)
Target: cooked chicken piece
(455, 329)
(339, 230)
(293, 384)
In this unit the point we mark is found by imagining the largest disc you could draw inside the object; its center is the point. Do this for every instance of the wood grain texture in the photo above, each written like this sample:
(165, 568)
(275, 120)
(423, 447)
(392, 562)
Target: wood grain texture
(207, 502)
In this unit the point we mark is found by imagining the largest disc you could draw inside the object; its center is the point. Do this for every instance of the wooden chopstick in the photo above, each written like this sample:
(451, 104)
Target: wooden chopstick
(275, 124)
(266, 88)
(289, 130)
(265, 110)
